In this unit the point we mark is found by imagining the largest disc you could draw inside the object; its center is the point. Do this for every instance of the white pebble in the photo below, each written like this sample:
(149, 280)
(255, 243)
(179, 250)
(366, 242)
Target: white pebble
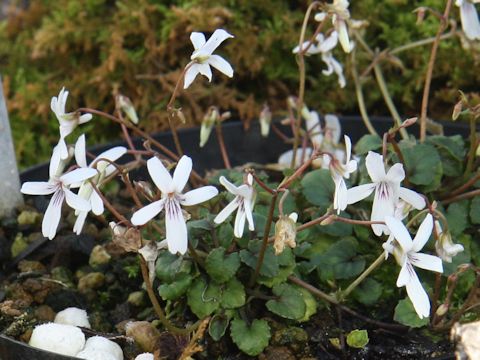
(58, 338)
(73, 316)
(103, 344)
(94, 354)
(144, 356)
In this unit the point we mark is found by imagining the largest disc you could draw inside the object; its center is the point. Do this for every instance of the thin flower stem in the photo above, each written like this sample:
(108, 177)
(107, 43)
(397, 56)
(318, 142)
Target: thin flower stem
(301, 86)
(171, 111)
(399, 153)
(286, 182)
(359, 93)
(465, 186)
(221, 144)
(194, 175)
(109, 206)
(266, 233)
(436, 295)
(429, 74)
(158, 309)
(279, 133)
(320, 294)
(362, 276)
(464, 196)
(422, 42)
(356, 222)
(313, 222)
(473, 146)
(470, 298)
(282, 200)
(388, 99)
(261, 183)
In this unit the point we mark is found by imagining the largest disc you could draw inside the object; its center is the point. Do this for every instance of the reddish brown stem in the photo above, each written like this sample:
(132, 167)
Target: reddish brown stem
(221, 144)
(428, 77)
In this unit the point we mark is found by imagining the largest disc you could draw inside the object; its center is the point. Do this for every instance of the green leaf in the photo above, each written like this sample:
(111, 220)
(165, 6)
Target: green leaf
(217, 326)
(175, 289)
(221, 268)
(368, 292)
(250, 339)
(405, 314)
(289, 304)
(340, 261)
(233, 295)
(423, 164)
(169, 266)
(225, 234)
(357, 338)
(475, 210)
(368, 143)
(311, 304)
(318, 188)
(269, 266)
(451, 150)
(203, 299)
(457, 217)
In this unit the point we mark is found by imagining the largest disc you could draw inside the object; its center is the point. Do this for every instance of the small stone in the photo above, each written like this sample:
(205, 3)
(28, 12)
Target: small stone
(19, 244)
(292, 336)
(136, 298)
(26, 266)
(44, 313)
(63, 275)
(145, 356)
(467, 337)
(144, 334)
(73, 316)
(28, 217)
(100, 343)
(99, 256)
(91, 281)
(277, 353)
(58, 338)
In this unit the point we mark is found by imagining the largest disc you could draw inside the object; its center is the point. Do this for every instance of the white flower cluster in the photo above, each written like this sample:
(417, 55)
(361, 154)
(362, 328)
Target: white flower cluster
(61, 182)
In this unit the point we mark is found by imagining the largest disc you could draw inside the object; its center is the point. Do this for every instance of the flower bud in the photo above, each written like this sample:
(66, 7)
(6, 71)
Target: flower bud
(125, 104)
(457, 109)
(444, 245)
(442, 310)
(265, 120)
(208, 122)
(285, 232)
(144, 187)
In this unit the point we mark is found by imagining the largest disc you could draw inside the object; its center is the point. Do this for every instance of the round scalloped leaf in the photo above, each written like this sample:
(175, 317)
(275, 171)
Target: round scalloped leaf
(175, 289)
(250, 339)
(289, 303)
(203, 299)
(221, 268)
(233, 295)
(218, 325)
(405, 314)
(357, 339)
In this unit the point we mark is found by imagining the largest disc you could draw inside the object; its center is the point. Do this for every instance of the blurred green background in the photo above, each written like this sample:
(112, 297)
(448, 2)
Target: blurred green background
(96, 48)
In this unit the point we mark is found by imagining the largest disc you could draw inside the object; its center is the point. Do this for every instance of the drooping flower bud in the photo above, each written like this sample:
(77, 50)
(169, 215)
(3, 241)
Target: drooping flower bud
(265, 120)
(457, 109)
(126, 105)
(444, 245)
(208, 122)
(285, 233)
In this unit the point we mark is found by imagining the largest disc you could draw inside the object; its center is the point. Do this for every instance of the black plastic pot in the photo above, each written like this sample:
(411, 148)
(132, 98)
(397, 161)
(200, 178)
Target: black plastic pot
(243, 146)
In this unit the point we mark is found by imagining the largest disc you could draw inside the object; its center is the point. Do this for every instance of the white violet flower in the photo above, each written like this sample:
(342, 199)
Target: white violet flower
(444, 245)
(202, 57)
(172, 200)
(408, 255)
(469, 18)
(387, 191)
(103, 168)
(68, 121)
(59, 186)
(244, 201)
(340, 171)
(340, 15)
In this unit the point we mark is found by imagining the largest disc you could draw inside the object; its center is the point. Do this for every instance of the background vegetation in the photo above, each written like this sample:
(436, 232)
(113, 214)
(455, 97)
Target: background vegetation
(97, 48)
